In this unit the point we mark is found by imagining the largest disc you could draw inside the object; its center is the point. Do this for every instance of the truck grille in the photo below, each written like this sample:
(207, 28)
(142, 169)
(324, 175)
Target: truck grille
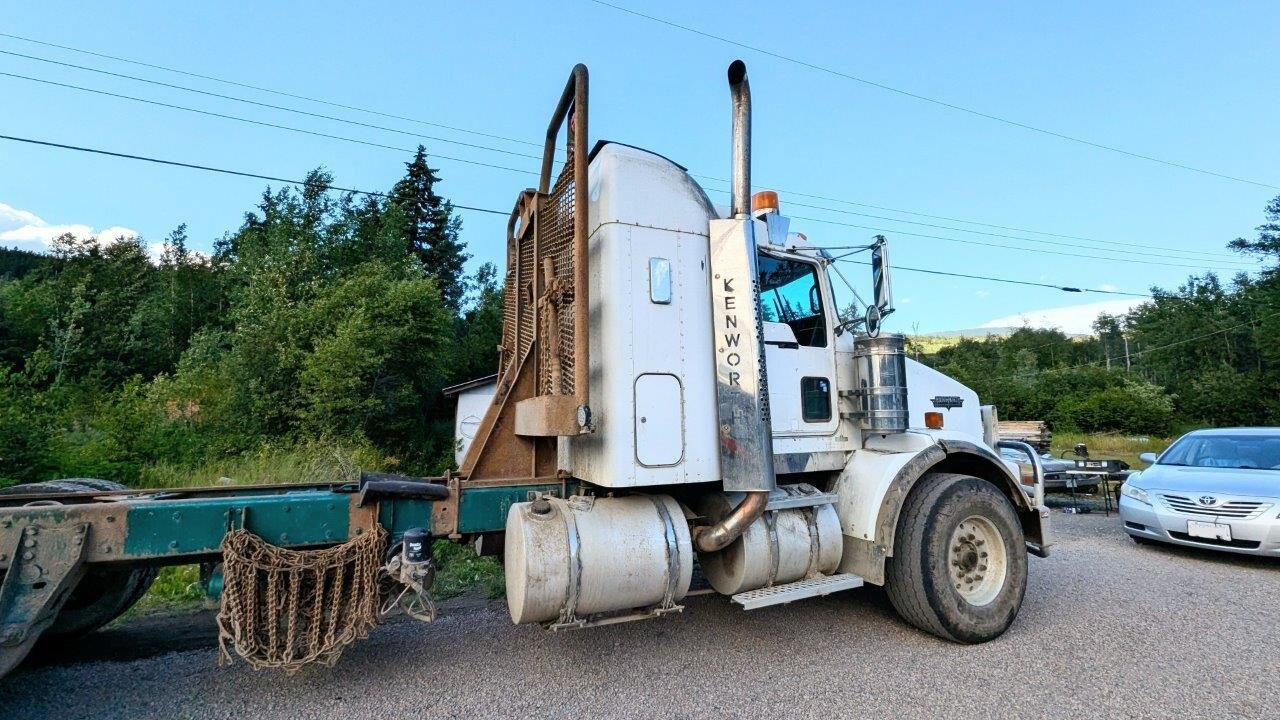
(1234, 509)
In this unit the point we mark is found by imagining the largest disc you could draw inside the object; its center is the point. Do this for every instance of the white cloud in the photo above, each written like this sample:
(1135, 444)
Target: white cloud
(1108, 287)
(1072, 319)
(29, 231)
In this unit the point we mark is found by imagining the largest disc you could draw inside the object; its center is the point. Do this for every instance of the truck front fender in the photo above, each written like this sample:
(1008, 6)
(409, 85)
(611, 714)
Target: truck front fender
(875, 483)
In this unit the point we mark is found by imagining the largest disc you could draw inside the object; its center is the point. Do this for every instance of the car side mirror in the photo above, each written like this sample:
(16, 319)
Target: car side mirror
(1148, 458)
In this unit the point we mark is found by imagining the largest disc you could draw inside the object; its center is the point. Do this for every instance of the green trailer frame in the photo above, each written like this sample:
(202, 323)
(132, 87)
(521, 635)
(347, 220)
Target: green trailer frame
(49, 540)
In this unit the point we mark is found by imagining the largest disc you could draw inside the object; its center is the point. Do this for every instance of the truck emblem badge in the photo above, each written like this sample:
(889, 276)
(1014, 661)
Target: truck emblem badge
(1207, 500)
(948, 401)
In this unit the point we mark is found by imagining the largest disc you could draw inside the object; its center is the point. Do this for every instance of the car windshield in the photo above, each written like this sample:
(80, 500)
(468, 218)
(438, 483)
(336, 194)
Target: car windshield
(1253, 452)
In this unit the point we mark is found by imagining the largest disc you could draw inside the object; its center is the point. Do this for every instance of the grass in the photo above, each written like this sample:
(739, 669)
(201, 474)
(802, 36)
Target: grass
(461, 569)
(1110, 445)
(315, 462)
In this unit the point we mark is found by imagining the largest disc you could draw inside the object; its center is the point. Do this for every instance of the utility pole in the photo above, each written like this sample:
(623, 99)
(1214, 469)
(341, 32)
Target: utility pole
(1126, 352)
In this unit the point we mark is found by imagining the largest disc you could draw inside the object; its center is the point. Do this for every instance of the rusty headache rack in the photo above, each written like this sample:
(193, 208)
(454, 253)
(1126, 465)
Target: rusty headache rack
(543, 376)
(67, 545)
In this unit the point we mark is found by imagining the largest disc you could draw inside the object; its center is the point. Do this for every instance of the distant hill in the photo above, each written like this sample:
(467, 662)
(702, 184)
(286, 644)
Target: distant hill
(14, 263)
(933, 342)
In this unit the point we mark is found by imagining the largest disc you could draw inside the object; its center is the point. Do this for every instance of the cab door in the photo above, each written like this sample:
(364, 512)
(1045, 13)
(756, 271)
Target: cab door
(799, 352)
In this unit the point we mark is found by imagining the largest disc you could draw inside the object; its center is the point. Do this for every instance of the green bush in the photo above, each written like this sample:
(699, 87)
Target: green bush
(1132, 407)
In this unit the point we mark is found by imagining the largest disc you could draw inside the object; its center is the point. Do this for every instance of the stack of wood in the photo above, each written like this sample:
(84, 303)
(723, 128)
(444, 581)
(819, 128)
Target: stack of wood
(1033, 432)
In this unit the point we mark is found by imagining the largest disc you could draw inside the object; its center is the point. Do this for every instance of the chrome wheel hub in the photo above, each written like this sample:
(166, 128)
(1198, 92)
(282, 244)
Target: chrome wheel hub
(976, 560)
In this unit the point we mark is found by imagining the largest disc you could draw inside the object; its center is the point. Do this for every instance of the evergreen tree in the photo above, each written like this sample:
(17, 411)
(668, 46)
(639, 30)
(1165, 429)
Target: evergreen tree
(431, 230)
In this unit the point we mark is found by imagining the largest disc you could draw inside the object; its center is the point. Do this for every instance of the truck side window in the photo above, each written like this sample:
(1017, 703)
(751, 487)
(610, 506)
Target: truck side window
(815, 399)
(790, 293)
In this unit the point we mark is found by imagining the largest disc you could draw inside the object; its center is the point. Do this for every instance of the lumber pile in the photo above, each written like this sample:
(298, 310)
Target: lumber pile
(1034, 432)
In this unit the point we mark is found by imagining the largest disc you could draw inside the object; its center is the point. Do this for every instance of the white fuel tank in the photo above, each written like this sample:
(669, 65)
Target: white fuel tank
(782, 546)
(569, 559)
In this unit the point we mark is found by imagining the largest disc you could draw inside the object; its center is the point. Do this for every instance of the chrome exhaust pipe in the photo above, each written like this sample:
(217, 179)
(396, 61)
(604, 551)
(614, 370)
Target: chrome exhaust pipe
(740, 91)
(710, 538)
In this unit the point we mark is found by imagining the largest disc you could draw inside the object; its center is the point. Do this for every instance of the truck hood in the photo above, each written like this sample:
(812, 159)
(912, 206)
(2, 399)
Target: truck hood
(1228, 481)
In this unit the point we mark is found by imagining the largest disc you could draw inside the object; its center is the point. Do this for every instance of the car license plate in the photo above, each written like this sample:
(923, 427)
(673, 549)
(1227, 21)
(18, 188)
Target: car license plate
(1211, 531)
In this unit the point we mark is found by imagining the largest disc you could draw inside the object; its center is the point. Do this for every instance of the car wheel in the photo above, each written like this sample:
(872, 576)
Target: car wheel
(959, 564)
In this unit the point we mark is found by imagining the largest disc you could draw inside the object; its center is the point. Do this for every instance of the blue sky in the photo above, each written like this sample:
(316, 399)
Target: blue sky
(1192, 83)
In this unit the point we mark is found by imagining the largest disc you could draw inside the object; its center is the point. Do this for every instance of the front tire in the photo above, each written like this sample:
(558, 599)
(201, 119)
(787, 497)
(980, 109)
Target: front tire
(959, 564)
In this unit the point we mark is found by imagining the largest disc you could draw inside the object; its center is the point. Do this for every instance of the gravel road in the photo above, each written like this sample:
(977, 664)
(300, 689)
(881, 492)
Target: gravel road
(1108, 629)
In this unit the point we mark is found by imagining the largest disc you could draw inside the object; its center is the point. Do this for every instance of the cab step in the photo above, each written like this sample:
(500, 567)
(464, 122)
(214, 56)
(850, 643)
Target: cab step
(799, 590)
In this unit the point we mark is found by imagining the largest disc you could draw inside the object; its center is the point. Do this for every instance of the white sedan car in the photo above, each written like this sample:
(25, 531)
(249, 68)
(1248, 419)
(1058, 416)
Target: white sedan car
(1215, 489)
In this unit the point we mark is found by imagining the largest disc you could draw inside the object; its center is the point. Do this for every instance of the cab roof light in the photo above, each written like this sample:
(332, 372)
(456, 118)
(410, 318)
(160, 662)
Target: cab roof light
(765, 201)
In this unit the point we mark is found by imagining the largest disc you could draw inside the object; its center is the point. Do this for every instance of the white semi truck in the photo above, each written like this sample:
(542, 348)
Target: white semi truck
(675, 391)
(721, 414)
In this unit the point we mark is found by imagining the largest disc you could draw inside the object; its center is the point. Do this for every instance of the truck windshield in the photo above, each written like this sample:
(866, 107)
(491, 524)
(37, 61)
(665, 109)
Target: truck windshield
(790, 293)
(1253, 452)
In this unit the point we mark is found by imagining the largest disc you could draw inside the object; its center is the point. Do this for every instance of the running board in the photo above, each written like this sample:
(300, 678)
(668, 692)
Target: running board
(799, 590)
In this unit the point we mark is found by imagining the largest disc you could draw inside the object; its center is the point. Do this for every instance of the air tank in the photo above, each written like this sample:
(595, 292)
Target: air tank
(567, 560)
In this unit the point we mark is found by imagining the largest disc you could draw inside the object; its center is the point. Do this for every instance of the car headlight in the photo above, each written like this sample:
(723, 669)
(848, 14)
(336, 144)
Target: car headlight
(1129, 490)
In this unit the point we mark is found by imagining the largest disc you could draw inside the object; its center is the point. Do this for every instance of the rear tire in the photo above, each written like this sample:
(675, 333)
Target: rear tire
(105, 592)
(959, 564)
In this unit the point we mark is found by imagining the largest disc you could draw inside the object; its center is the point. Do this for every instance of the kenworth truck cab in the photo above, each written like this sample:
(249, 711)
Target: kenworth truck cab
(712, 403)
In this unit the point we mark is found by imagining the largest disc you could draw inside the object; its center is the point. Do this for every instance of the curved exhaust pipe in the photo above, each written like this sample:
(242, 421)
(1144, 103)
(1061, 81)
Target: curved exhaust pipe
(710, 538)
(740, 91)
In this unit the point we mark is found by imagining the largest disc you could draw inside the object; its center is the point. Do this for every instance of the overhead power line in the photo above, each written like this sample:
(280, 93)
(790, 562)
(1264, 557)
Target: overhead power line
(257, 88)
(1003, 280)
(479, 133)
(935, 101)
(224, 171)
(1042, 251)
(1198, 255)
(261, 123)
(369, 143)
(301, 183)
(233, 98)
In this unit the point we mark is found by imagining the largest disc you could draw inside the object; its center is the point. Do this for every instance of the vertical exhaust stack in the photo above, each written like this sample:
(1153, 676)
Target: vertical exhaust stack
(742, 393)
(740, 90)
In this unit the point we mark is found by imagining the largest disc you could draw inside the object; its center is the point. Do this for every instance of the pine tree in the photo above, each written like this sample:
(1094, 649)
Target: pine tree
(431, 230)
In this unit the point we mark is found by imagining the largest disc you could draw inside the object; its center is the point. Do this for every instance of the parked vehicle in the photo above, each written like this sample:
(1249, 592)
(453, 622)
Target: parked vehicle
(1217, 489)
(1057, 471)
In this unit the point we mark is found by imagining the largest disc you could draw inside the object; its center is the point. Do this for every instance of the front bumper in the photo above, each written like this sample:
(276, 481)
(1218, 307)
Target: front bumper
(1260, 536)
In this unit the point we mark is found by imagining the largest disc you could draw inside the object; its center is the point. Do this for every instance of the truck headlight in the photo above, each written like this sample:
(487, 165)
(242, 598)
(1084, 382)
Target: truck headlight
(1137, 493)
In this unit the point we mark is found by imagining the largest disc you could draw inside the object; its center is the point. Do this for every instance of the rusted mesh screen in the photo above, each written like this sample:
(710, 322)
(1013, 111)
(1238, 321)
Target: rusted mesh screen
(286, 608)
(556, 242)
(526, 288)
